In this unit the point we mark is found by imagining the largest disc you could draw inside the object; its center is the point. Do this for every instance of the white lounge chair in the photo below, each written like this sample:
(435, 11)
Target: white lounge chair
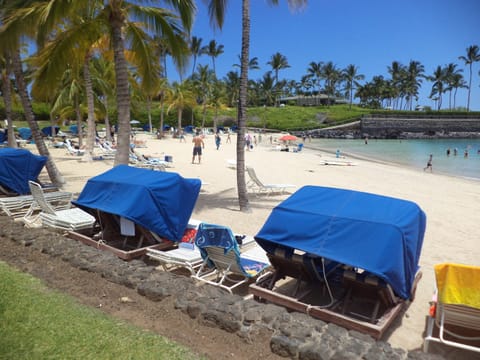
(71, 150)
(19, 206)
(454, 319)
(259, 187)
(69, 219)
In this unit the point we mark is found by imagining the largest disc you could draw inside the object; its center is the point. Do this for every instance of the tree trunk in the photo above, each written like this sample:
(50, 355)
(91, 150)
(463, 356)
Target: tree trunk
(7, 98)
(55, 176)
(88, 156)
(149, 111)
(123, 93)
(78, 114)
(161, 116)
(108, 133)
(242, 109)
(180, 112)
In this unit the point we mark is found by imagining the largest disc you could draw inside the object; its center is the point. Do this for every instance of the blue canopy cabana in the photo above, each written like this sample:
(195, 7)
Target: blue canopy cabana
(48, 130)
(17, 167)
(161, 202)
(25, 133)
(379, 234)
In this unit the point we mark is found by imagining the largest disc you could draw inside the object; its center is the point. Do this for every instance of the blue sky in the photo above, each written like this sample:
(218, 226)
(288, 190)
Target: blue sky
(369, 34)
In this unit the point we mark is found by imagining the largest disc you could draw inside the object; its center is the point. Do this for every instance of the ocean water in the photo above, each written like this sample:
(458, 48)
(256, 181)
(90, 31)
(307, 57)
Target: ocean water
(413, 153)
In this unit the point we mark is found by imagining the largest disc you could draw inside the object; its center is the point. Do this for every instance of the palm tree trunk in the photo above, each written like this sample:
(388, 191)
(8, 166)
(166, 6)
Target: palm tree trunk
(469, 87)
(91, 110)
(242, 109)
(149, 112)
(55, 176)
(78, 114)
(162, 114)
(108, 133)
(7, 98)
(179, 118)
(123, 94)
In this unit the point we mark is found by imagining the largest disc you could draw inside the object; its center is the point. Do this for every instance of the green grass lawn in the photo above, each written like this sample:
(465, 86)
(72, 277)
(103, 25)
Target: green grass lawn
(37, 323)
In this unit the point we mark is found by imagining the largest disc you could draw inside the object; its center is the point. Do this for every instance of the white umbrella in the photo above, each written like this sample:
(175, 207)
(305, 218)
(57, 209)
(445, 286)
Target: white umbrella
(134, 122)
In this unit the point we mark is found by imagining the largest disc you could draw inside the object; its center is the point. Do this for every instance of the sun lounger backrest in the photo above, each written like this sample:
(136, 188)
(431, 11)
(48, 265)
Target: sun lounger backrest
(39, 197)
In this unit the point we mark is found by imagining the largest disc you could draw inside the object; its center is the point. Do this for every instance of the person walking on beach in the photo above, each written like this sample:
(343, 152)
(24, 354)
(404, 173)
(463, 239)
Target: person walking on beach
(218, 140)
(429, 164)
(229, 140)
(198, 145)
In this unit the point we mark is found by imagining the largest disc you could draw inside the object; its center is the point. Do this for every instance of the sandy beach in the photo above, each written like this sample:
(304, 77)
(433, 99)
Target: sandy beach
(451, 204)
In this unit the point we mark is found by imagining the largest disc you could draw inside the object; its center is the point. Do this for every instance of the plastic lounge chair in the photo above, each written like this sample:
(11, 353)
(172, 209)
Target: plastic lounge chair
(19, 206)
(221, 259)
(71, 150)
(454, 319)
(258, 187)
(69, 219)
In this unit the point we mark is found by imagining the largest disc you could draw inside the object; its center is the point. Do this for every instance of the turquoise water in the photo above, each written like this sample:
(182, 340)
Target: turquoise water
(413, 153)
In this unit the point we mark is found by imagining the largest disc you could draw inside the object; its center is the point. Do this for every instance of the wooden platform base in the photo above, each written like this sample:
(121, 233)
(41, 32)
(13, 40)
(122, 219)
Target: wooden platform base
(114, 247)
(334, 312)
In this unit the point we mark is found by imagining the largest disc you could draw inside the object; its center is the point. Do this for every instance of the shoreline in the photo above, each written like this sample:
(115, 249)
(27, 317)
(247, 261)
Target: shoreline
(392, 163)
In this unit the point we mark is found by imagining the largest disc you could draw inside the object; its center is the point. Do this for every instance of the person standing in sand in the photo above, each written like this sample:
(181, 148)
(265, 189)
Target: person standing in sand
(429, 164)
(198, 145)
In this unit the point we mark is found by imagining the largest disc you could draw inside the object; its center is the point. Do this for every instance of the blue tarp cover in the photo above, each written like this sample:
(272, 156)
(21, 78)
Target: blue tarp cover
(25, 133)
(379, 234)
(17, 167)
(48, 130)
(157, 200)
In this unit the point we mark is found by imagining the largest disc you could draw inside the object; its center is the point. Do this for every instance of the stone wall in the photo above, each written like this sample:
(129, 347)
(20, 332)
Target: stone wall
(397, 127)
(294, 335)
(406, 127)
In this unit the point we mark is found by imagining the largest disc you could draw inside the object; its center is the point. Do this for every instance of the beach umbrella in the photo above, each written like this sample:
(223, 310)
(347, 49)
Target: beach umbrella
(134, 122)
(288, 138)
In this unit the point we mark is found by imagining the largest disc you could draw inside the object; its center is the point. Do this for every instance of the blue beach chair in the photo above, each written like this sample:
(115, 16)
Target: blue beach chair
(222, 260)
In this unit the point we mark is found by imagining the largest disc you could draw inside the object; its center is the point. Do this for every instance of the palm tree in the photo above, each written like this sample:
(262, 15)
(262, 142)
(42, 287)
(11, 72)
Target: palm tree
(438, 88)
(471, 57)
(252, 64)
(315, 71)
(451, 77)
(216, 11)
(6, 88)
(351, 77)
(413, 80)
(396, 70)
(204, 80)
(332, 76)
(104, 80)
(195, 50)
(180, 97)
(10, 36)
(213, 50)
(232, 83)
(457, 82)
(278, 62)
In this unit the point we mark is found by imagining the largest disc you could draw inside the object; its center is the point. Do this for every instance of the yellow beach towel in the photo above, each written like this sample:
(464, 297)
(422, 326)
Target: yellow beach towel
(458, 284)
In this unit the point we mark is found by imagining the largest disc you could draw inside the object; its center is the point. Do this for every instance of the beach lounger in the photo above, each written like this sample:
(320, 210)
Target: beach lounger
(454, 318)
(19, 206)
(259, 187)
(188, 256)
(71, 150)
(223, 265)
(73, 219)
